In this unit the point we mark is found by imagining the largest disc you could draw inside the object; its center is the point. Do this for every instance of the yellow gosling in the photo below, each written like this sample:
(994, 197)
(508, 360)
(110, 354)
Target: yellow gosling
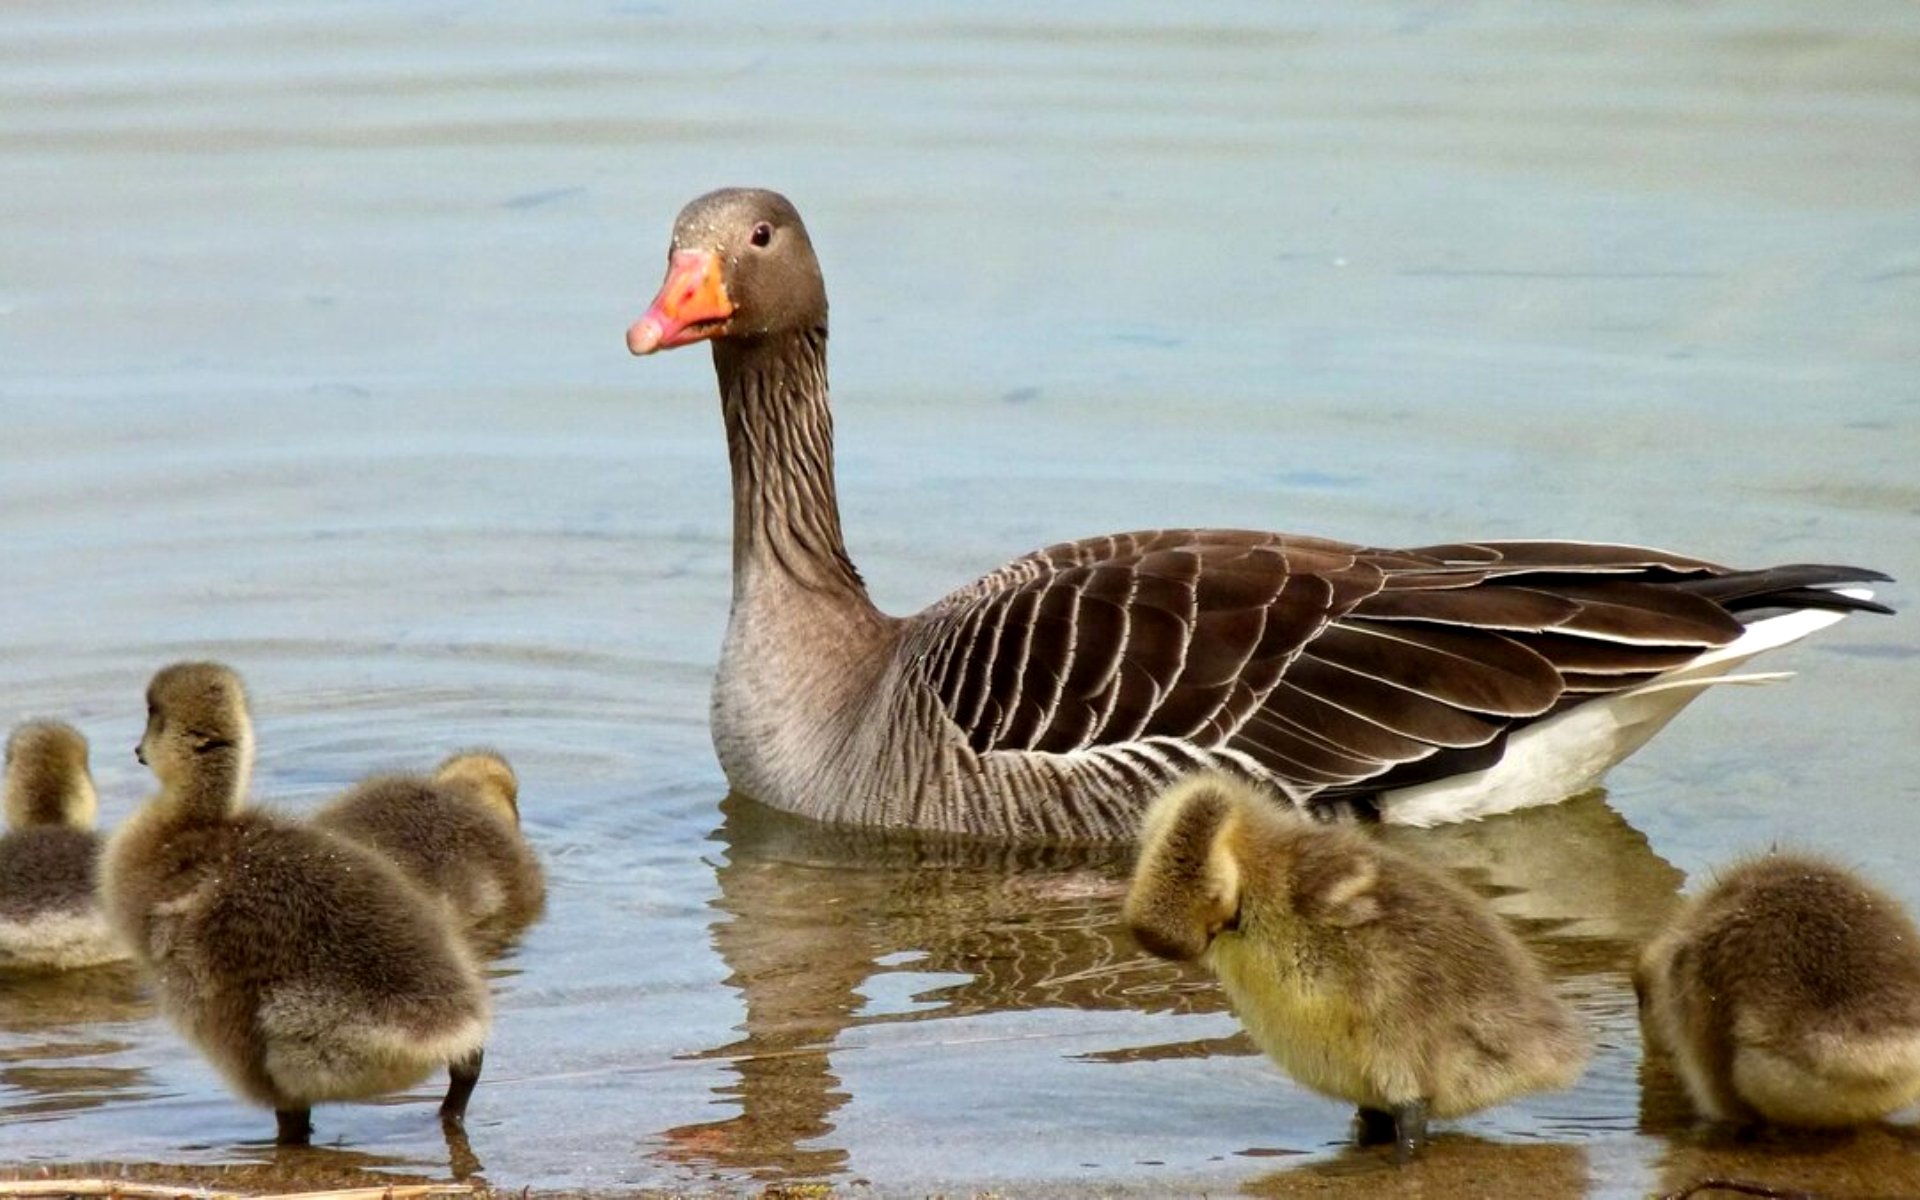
(1787, 992)
(306, 968)
(456, 834)
(50, 916)
(1366, 975)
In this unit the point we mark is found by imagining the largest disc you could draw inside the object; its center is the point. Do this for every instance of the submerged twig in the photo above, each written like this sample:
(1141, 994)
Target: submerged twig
(1743, 1186)
(161, 1191)
(106, 1187)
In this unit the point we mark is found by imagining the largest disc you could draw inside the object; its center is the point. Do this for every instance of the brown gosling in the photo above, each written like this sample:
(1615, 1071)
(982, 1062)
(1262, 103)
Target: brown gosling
(1366, 975)
(455, 833)
(306, 968)
(1787, 992)
(50, 916)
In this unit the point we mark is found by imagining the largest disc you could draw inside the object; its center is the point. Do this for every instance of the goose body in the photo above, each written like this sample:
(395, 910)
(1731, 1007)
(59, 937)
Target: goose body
(1054, 697)
(455, 833)
(1789, 992)
(1364, 974)
(306, 968)
(50, 916)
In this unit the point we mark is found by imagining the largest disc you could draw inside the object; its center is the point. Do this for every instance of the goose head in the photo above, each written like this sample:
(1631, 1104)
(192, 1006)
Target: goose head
(740, 267)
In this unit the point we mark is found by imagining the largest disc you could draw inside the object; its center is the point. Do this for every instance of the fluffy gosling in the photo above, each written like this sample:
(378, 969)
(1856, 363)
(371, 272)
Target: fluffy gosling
(1366, 975)
(306, 968)
(1787, 992)
(456, 833)
(50, 917)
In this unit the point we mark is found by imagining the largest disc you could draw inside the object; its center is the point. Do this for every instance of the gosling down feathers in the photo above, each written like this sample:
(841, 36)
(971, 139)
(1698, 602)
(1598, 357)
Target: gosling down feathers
(455, 833)
(1787, 992)
(1366, 975)
(50, 917)
(305, 967)
(1055, 696)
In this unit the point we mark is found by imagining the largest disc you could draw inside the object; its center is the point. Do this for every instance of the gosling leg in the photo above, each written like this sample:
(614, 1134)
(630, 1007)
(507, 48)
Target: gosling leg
(1373, 1127)
(1410, 1130)
(462, 1074)
(296, 1126)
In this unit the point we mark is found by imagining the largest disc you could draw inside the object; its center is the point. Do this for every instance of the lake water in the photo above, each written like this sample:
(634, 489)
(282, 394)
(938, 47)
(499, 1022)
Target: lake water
(310, 361)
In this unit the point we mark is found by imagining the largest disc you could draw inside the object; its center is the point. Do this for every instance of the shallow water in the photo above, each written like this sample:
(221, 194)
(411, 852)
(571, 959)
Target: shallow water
(310, 360)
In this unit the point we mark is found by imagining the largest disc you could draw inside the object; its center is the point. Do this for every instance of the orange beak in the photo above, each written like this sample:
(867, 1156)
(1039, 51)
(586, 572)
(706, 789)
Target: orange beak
(691, 307)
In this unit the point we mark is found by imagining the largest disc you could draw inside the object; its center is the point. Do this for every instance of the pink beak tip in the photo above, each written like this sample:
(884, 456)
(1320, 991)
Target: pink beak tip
(643, 336)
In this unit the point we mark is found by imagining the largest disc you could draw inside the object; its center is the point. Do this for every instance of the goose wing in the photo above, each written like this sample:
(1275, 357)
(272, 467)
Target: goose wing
(1337, 668)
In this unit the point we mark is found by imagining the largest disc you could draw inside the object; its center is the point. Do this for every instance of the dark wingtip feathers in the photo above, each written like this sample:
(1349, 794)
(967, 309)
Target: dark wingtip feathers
(1792, 586)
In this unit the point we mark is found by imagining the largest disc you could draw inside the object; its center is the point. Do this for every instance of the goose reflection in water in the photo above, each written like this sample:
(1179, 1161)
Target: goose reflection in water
(811, 919)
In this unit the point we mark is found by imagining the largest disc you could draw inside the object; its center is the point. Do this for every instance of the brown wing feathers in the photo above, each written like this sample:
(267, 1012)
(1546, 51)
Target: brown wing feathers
(1448, 660)
(1329, 665)
(1168, 634)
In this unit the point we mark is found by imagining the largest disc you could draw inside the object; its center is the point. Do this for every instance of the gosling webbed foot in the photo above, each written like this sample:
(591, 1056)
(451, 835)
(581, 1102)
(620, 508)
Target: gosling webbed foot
(296, 1126)
(1404, 1126)
(1410, 1130)
(462, 1074)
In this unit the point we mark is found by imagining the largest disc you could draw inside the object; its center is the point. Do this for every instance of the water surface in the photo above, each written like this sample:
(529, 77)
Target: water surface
(310, 360)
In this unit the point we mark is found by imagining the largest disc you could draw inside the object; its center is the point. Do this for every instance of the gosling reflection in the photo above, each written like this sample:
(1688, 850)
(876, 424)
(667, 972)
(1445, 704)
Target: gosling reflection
(53, 1057)
(1876, 1161)
(294, 1167)
(809, 915)
(1452, 1163)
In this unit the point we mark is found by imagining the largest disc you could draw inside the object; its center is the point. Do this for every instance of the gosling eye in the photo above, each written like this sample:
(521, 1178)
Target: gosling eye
(762, 234)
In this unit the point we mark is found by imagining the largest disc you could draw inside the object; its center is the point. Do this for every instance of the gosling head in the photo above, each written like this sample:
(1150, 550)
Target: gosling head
(485, 776)
(48, 782)
(1186, 883)
(198, 731)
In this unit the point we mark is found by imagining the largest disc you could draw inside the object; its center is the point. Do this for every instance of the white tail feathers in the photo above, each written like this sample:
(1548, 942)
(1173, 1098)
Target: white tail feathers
(1567, 754)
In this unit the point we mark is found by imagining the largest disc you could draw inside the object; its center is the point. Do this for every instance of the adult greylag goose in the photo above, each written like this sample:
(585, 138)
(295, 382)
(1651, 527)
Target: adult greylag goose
(1054, 697)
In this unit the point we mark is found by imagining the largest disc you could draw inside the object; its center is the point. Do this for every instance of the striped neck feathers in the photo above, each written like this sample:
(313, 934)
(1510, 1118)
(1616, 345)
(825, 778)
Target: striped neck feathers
(786, 513)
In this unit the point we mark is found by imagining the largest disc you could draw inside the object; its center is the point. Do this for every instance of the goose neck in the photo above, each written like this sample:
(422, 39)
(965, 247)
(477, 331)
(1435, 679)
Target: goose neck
(786, 513)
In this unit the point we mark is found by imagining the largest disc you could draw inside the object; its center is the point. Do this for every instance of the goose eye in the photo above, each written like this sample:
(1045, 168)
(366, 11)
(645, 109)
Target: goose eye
(762, 234)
